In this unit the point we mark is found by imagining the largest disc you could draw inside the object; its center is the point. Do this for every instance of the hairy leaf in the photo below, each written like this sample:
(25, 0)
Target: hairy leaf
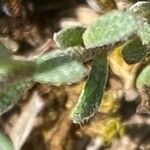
(143, 78)
(81, 53)
(57, 68)
(5, 143)
(142, 8)
(144, 33)
(92, 93)
(134, 51)
(110, 28)
(13, 93)
(14, 71)
(69, 37)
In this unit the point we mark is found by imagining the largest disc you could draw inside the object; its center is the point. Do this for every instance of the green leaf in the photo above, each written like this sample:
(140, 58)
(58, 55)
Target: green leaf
(80, 53)
(142, 8)
(143, 78)
(12, 94)
(4, 54)
(5, 143)
(69, 37)
(92, 93)
(76, 52)
(14, 71)
(110, 28)
(57, 68)
(144, 33)
(134, 51)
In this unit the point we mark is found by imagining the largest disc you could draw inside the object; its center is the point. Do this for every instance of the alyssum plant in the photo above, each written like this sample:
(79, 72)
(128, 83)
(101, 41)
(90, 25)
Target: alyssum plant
(65, 65)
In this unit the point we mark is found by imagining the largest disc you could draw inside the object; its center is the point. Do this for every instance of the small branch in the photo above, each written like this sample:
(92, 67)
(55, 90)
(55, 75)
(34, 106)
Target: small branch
(23, 126)
(37, 52)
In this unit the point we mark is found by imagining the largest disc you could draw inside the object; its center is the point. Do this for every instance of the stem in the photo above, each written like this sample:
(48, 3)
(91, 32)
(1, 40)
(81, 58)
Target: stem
(25, 123)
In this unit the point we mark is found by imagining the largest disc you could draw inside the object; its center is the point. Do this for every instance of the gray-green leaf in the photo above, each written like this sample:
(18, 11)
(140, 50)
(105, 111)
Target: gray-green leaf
(143, 78)
(142, 8)
(57, 68)
(134, 51)
(5, 143)
(12, 94)
(81, 53)
(110, 28)
(144, 33)
(92, 93)
(69, 37)
(14, 71)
